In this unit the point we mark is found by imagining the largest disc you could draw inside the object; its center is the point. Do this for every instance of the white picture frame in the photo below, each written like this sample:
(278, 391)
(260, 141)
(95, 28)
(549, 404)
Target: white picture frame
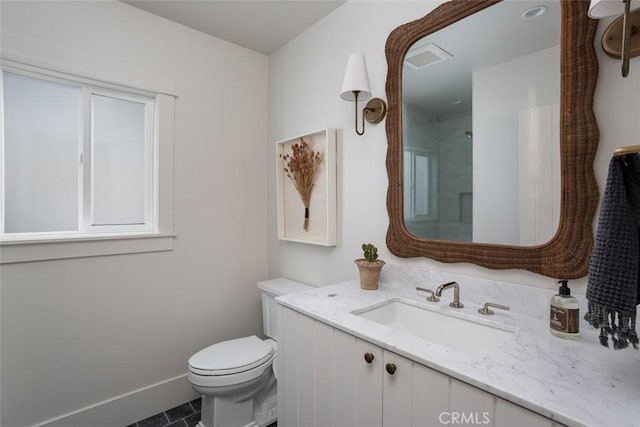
(323, 203)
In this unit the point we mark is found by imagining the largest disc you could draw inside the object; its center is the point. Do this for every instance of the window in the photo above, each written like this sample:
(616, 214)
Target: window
(77, 159)
(420, 197)
(86, 163)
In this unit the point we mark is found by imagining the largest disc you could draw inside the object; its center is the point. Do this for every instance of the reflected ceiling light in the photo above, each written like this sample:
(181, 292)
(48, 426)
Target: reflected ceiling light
(621, 39)
(533, 13)
(355, 87)
(456, 101)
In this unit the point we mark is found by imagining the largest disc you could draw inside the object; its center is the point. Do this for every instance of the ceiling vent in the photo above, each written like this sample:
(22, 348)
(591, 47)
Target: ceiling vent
(426, 55)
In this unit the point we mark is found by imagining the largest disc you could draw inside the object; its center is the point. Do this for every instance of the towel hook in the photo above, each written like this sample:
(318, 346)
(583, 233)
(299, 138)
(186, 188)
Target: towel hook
(622, 152)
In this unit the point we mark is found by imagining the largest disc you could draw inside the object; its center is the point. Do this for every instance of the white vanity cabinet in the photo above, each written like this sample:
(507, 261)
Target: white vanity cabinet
(327, 377)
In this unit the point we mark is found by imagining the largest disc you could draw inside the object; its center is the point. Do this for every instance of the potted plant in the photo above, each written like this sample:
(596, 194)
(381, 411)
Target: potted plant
(369, 267)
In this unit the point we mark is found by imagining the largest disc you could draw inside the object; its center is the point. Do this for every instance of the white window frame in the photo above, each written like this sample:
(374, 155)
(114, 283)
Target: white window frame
(150, 173)
(432, 215)
(158, 234)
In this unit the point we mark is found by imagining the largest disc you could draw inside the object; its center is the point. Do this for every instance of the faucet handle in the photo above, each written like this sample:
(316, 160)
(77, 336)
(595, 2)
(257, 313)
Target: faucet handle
(486, 310)
(432, 296)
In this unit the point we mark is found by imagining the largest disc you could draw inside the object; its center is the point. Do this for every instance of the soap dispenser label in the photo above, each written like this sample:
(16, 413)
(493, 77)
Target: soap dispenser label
(564, 320)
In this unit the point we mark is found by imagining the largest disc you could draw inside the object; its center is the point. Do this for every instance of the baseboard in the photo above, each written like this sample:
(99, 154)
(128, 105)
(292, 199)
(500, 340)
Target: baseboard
(128, 408)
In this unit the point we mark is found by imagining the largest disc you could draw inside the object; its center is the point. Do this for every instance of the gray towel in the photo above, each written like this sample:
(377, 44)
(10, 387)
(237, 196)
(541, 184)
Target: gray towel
(614, 268)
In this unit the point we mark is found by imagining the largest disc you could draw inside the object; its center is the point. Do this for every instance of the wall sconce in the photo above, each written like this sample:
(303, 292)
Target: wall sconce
(621, 39)
(355, 87)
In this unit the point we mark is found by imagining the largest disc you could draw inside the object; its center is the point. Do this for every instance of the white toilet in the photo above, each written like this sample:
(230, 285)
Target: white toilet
(236, 378)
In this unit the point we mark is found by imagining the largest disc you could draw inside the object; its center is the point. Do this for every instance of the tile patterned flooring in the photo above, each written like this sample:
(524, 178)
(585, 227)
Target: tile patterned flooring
(185, 415)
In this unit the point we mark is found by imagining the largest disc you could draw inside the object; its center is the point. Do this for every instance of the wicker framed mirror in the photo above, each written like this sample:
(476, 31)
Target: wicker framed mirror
(566, 254)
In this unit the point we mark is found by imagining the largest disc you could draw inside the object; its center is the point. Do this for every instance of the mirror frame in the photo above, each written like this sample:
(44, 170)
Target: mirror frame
(568, 252)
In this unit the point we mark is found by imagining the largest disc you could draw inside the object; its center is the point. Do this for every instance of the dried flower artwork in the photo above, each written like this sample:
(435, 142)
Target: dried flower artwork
(302, 167)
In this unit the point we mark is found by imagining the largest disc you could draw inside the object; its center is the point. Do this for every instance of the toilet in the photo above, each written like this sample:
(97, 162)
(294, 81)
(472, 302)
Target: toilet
(237, 378)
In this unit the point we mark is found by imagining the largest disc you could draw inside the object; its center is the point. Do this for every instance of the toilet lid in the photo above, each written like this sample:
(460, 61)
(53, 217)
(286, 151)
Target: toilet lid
(230, 357)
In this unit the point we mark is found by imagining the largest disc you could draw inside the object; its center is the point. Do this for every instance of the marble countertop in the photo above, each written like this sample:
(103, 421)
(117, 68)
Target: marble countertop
(577, 383)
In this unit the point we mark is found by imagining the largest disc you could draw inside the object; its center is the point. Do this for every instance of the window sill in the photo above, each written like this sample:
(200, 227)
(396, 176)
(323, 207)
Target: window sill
(14, 250)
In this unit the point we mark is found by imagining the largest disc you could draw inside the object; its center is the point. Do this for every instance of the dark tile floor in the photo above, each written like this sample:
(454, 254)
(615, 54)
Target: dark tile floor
(185, 415)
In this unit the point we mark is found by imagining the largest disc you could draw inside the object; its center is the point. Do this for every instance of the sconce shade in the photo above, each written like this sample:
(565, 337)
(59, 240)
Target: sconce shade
(605, 8)
(356, 78)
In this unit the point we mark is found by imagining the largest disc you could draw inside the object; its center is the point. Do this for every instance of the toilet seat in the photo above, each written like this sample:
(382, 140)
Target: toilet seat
(231, 362)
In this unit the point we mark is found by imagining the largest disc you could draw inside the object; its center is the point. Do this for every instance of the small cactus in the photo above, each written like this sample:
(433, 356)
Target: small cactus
(370, 252)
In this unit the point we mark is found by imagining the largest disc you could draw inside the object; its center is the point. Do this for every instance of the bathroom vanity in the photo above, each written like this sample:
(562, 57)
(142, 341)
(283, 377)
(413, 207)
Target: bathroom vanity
(351, 357)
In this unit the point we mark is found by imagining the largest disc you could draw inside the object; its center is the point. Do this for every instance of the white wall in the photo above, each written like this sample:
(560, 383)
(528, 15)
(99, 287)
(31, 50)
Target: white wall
(79, 332)
(500, 92)
(305, 78)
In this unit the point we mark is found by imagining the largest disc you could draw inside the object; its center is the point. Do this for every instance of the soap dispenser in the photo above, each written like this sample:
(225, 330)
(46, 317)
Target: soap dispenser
(564, 318)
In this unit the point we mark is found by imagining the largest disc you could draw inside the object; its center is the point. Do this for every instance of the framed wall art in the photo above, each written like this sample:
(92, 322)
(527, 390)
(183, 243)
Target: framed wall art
(306, 188)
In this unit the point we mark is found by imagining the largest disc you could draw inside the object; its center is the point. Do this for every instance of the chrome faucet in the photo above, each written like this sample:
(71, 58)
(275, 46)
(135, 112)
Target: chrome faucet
(456, 293)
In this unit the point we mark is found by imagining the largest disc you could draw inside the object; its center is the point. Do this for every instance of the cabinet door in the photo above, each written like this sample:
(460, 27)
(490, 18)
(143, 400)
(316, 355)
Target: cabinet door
(368, 397)
(306, 371)
(507, 414)
(345, 358)
(288, 372)
(325, 380)
(469, 405)
(397, 382)
(430, 396)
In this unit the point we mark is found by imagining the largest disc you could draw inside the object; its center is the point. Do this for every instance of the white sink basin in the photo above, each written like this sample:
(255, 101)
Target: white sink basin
(467, 334)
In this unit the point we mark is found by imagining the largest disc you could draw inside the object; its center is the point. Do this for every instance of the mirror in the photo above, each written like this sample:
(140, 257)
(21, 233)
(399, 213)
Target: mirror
(472, 103)
(566, 250)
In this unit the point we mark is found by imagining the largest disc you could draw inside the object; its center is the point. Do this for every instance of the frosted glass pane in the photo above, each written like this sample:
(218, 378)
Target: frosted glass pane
(422, 185)
(42, 149)
(118, 161)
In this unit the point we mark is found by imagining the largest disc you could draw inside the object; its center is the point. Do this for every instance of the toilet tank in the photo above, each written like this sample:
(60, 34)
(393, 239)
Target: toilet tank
(270, 290)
